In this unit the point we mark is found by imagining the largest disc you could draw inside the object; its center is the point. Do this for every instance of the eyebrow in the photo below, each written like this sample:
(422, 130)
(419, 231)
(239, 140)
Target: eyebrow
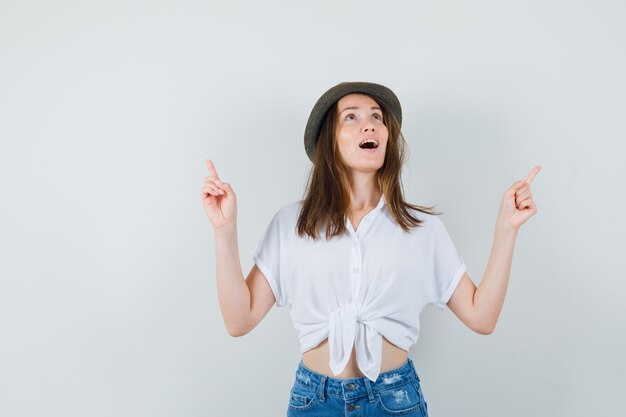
(352, 108)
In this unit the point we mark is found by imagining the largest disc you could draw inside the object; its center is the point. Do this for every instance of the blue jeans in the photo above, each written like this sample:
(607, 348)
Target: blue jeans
(394, 393)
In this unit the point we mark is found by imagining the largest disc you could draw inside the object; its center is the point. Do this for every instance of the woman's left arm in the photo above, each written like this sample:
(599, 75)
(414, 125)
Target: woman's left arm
(479, 307)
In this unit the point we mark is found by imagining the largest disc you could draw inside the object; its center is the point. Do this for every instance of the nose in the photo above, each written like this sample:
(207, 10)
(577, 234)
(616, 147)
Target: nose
(368, 126)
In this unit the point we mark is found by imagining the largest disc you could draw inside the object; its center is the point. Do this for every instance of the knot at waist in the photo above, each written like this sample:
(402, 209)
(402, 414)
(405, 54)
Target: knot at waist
(342, 332)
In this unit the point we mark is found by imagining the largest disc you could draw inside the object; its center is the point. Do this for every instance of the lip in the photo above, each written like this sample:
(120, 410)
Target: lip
(372, 138)
(369, 150)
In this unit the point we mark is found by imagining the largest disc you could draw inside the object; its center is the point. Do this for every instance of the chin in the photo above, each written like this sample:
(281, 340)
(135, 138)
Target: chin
(367, 168)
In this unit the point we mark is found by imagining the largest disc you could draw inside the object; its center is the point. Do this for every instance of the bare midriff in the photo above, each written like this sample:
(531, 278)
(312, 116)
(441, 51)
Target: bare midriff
(318, 360)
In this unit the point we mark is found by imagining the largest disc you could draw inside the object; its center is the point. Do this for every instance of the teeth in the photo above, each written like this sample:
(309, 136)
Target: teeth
(374, 141)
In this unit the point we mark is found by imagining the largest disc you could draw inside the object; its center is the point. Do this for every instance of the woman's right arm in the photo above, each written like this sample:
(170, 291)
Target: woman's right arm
(243, 303)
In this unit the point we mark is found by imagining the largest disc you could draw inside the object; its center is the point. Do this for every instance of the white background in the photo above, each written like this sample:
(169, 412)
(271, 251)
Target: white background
(109, 109)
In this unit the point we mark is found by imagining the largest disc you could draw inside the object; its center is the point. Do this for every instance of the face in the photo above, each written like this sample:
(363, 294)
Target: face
(359, 117)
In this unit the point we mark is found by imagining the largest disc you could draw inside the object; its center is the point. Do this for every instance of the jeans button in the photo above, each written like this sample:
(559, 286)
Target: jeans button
(352, 387)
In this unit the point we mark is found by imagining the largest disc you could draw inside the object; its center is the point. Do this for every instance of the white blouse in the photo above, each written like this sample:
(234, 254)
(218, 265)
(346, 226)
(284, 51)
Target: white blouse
(354, 289)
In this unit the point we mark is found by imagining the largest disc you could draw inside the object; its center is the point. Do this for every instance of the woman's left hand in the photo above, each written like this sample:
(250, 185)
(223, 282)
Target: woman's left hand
(517, 203)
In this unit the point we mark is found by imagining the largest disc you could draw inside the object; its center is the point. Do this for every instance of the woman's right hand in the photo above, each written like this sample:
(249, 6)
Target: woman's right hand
(219, 200)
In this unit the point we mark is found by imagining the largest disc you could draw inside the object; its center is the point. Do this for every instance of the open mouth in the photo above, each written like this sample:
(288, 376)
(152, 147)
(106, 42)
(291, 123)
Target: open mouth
(369, 144)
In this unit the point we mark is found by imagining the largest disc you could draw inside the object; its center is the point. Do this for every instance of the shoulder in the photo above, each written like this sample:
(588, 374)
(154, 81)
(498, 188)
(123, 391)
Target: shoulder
(430, 228)
(286, 216)
(429, 221)
(289, 211)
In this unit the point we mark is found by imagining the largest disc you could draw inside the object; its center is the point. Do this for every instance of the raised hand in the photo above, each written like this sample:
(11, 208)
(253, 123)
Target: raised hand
(219, 200)
(517, 203)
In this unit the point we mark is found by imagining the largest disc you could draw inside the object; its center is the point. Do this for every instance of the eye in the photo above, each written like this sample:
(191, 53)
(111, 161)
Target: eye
(349, 116)
(380, 117)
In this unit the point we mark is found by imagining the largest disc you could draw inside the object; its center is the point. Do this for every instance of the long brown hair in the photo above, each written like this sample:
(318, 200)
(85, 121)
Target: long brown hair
(327, 192)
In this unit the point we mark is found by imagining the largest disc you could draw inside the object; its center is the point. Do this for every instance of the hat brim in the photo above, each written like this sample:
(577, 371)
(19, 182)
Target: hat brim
(324, 103)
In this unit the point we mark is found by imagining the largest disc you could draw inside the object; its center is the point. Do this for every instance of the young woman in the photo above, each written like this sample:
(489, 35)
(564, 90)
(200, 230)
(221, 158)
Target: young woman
(356, 263)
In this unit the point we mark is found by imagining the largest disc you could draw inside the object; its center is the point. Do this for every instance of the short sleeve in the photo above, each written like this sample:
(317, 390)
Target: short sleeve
(448, 266)
(267, 257)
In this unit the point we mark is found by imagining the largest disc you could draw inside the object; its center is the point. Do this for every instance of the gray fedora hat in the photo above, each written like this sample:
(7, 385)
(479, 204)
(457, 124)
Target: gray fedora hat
(378, 91)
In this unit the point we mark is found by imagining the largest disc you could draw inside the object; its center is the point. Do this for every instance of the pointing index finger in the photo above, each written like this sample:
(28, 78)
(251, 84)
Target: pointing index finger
(211, 167)
(531, 175)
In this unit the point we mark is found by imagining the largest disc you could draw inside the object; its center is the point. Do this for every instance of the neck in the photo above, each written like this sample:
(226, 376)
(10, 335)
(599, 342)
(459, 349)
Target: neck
(364, 192)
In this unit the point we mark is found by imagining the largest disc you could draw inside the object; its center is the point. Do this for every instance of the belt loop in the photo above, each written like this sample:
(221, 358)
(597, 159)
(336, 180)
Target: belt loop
(368, 388)
(415, 371)
(321, 388)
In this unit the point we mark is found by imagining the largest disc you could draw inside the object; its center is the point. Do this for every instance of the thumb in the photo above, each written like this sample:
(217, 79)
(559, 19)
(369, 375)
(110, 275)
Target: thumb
(223, 184)
(513, 188)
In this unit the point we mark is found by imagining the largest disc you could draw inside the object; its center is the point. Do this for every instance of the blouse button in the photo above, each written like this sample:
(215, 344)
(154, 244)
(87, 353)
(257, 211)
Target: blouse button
(355, 270)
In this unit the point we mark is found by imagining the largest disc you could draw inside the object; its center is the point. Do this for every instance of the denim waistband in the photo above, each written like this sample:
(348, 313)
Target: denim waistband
(356, 387)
